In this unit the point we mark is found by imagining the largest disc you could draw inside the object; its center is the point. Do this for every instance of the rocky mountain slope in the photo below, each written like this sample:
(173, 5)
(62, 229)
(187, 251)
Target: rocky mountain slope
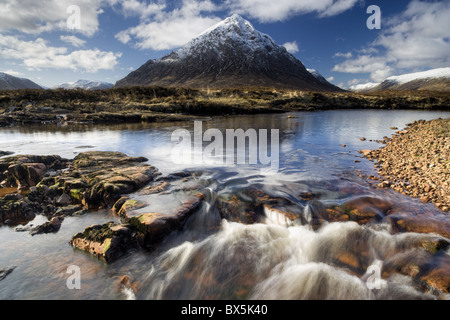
(8, 82)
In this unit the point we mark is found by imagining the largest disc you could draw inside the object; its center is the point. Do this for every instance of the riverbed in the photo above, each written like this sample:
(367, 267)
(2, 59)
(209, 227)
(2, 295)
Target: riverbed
(212, 258)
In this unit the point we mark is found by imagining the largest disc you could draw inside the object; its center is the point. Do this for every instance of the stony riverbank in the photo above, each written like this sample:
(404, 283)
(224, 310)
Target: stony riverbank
(416, 162)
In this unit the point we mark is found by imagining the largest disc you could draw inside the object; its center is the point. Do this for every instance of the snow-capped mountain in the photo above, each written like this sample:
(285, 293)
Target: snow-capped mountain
(317, 75)
(86, 85)
(435, 79)
(364, 87)
(230, 54)
(8, 82)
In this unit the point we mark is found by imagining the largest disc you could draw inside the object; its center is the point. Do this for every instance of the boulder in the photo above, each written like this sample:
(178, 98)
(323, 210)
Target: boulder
(107, 242)
(156, 226)
(52, 226)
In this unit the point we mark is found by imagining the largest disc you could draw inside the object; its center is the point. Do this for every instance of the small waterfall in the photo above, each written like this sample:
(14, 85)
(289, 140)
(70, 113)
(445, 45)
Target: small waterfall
(269, 261)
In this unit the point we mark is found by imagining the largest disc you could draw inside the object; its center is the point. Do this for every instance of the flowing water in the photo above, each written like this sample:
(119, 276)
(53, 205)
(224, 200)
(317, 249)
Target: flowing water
(216, 259)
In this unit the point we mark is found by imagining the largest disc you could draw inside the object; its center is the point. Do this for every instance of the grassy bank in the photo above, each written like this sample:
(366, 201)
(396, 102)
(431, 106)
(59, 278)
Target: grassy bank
(154, 104)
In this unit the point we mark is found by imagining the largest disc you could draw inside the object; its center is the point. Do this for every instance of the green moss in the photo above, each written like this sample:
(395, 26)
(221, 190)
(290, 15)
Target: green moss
(106, 245)
(75, 193)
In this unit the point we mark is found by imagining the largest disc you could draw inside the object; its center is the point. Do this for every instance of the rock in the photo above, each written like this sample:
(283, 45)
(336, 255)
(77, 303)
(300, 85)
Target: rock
(251, 205)
(109, 175)
(128, 207)
(27, 170)
(67, 211)
(5, 153)
(64, 200)
(421, 224)
(15, 209)
(360, 209)
(52, 226)
(4, 272)
(125, 281)
(366, 152)
(160, 187)
(107, 242)
(435, 245)
(156, 226)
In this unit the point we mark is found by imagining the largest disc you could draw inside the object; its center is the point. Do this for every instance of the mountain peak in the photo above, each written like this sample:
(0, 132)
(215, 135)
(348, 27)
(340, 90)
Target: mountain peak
(230, 54)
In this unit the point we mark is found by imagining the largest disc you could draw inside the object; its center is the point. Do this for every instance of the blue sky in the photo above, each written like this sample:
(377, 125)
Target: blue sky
(42, 40)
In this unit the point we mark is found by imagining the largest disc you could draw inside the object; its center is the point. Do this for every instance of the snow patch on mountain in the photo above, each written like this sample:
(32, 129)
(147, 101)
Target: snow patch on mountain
(317, 75)
(430, 74)
(364, 86)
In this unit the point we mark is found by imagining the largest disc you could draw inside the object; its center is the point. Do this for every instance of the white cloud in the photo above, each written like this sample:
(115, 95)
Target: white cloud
(329, 79)
(37, 54)
(376, 66)
(291, 47)
(35, 17)
(139, 8)
(271, 11)
(417, 39)
(13, 73)
(162, 27)
(73, 40)
(163, 30)
(420, 37)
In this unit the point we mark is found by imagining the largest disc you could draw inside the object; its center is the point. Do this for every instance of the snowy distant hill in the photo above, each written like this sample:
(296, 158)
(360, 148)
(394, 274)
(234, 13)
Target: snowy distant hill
(230, 54)
(8, 82)
(86, 85)
(435, 79)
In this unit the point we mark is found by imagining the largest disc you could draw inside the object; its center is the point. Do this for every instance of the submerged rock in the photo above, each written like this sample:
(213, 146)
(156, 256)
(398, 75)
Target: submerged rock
(4, 272)
(252, 205)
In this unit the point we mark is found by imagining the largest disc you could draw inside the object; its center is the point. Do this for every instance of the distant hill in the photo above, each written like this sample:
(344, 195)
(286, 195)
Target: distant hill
(8, 82)
(433, 80)
(230, 54)
(85, 84)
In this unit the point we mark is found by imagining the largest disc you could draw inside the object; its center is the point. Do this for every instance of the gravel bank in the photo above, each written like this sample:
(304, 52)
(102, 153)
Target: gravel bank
(416, 162)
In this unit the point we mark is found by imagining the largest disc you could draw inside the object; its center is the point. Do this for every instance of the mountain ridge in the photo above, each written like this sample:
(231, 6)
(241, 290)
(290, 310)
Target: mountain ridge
(85, 84)
(432, 80)
(9, 82)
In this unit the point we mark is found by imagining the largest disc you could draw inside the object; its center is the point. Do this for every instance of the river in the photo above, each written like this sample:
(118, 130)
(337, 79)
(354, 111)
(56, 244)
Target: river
(215, 259)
